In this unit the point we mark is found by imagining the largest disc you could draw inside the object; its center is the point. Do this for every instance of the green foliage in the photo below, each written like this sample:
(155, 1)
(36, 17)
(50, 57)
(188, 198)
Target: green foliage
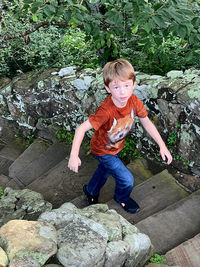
(1, 191)
(157, 259)
(49, 47)
(156, 36)
(26, 141)
(178, 157)
(29, 140)
(64, 136)
(129, 151)
(172, 139)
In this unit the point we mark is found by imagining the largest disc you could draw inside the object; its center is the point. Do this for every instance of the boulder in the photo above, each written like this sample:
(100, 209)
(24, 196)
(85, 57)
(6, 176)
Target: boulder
(21, 204)
(96, 236)
(28, 243)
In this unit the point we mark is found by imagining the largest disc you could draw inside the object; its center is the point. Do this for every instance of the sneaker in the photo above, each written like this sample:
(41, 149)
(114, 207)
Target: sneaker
(130, 205)
(91, 199)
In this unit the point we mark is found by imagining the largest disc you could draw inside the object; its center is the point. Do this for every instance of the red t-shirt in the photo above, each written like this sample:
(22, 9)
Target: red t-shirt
(112, 124)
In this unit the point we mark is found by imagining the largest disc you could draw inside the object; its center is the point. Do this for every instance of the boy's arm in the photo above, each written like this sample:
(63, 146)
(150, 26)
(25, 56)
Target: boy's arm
(74, 160)
(153, 132)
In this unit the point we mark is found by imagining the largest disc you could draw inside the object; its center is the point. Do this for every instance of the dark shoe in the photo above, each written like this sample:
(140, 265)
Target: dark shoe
(91, 199)
(130, 205)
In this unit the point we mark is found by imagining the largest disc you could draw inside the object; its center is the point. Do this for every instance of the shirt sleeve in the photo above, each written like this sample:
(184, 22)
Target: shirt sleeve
(99, 118)
(141, 111)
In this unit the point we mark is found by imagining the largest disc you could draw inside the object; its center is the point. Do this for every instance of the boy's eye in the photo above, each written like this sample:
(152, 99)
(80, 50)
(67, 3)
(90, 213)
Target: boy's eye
(116, 87)
(126, 85)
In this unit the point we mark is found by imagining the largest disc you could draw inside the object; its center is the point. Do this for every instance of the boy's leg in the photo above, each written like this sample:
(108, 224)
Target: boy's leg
(98, 179)
(123, 177)
(124, 181)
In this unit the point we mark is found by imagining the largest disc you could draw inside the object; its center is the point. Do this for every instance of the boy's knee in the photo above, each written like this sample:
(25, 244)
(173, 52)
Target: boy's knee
(130, 180)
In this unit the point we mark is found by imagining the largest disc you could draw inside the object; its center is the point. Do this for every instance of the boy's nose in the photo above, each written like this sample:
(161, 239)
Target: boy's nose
(122, 90)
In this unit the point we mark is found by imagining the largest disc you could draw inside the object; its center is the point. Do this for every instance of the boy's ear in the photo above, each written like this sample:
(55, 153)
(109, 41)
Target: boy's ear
(107, 88)
(134, 84)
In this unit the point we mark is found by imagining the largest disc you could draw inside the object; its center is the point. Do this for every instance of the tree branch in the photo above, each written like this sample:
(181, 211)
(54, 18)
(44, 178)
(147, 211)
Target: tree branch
(35, 28)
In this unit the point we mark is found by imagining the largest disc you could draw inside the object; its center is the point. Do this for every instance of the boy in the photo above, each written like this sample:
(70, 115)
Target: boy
(112, 122)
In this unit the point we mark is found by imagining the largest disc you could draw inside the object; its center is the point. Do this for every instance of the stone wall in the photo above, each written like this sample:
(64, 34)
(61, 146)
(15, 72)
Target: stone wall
(41, 102)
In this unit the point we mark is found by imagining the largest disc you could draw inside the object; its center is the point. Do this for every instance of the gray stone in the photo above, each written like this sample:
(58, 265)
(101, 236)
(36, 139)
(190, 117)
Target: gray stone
(80, 245)
(21, 204)
(175, 74)
(116, 253)
(66, 71)
(140, 248)
(95, 236)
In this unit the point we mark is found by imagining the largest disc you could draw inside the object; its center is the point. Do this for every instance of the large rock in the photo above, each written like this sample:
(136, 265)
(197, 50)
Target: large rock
(96, 236)
(28, 243)
(21, 204)
(3, 258)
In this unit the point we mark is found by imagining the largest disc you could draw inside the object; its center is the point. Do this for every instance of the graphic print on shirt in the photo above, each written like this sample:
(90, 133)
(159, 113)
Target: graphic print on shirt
(119, 130)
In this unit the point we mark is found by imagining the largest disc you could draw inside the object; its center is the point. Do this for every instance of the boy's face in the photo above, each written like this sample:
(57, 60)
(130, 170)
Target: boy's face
(121, 91)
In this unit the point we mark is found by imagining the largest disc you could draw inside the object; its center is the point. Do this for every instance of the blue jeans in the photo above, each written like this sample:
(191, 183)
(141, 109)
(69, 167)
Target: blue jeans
(111, 165)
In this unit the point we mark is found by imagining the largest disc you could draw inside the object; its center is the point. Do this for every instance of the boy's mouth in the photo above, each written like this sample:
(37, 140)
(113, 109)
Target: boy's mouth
(123, 98)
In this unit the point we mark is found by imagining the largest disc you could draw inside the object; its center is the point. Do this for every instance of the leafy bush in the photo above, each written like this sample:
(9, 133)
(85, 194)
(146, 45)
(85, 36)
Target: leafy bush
(156, 36)
(157, 259)
(47, 48)
(64, 136)
(129, 151)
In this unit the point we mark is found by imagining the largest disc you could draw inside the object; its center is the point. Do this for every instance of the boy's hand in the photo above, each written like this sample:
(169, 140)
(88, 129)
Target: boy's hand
(165, 154)
(74, 163)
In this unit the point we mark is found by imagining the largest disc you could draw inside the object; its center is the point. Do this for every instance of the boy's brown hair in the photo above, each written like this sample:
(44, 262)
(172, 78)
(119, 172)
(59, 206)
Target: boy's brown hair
(118, 69)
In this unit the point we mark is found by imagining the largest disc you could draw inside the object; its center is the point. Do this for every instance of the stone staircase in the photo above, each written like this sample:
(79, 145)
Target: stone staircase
(170, 214)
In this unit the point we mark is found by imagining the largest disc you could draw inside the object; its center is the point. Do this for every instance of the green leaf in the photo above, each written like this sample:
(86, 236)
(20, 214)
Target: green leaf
(158, 40)
(80, 7)
(28, 1)
(182, 31)
(108, 43)
(115, 52)
(93, 1)
(189, 56)
(79, 16)
(49, 10)
(159, 21)
(114, 17)
(102, 41)
(135, 29)
(87, 27)
(34, 17)
(67, 15)
(128, 6)
(147, 27)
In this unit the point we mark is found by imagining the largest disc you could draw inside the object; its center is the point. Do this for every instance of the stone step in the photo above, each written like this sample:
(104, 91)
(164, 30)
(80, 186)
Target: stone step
(186, 254)
(153, 195)
(60, 185)
(140, 172)
(173, 225)
(107, 193)
(4, 165)
(14, 184)
(37, 159)
(4, 180)
(12, 150)
(8, 154)
(1, 145)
